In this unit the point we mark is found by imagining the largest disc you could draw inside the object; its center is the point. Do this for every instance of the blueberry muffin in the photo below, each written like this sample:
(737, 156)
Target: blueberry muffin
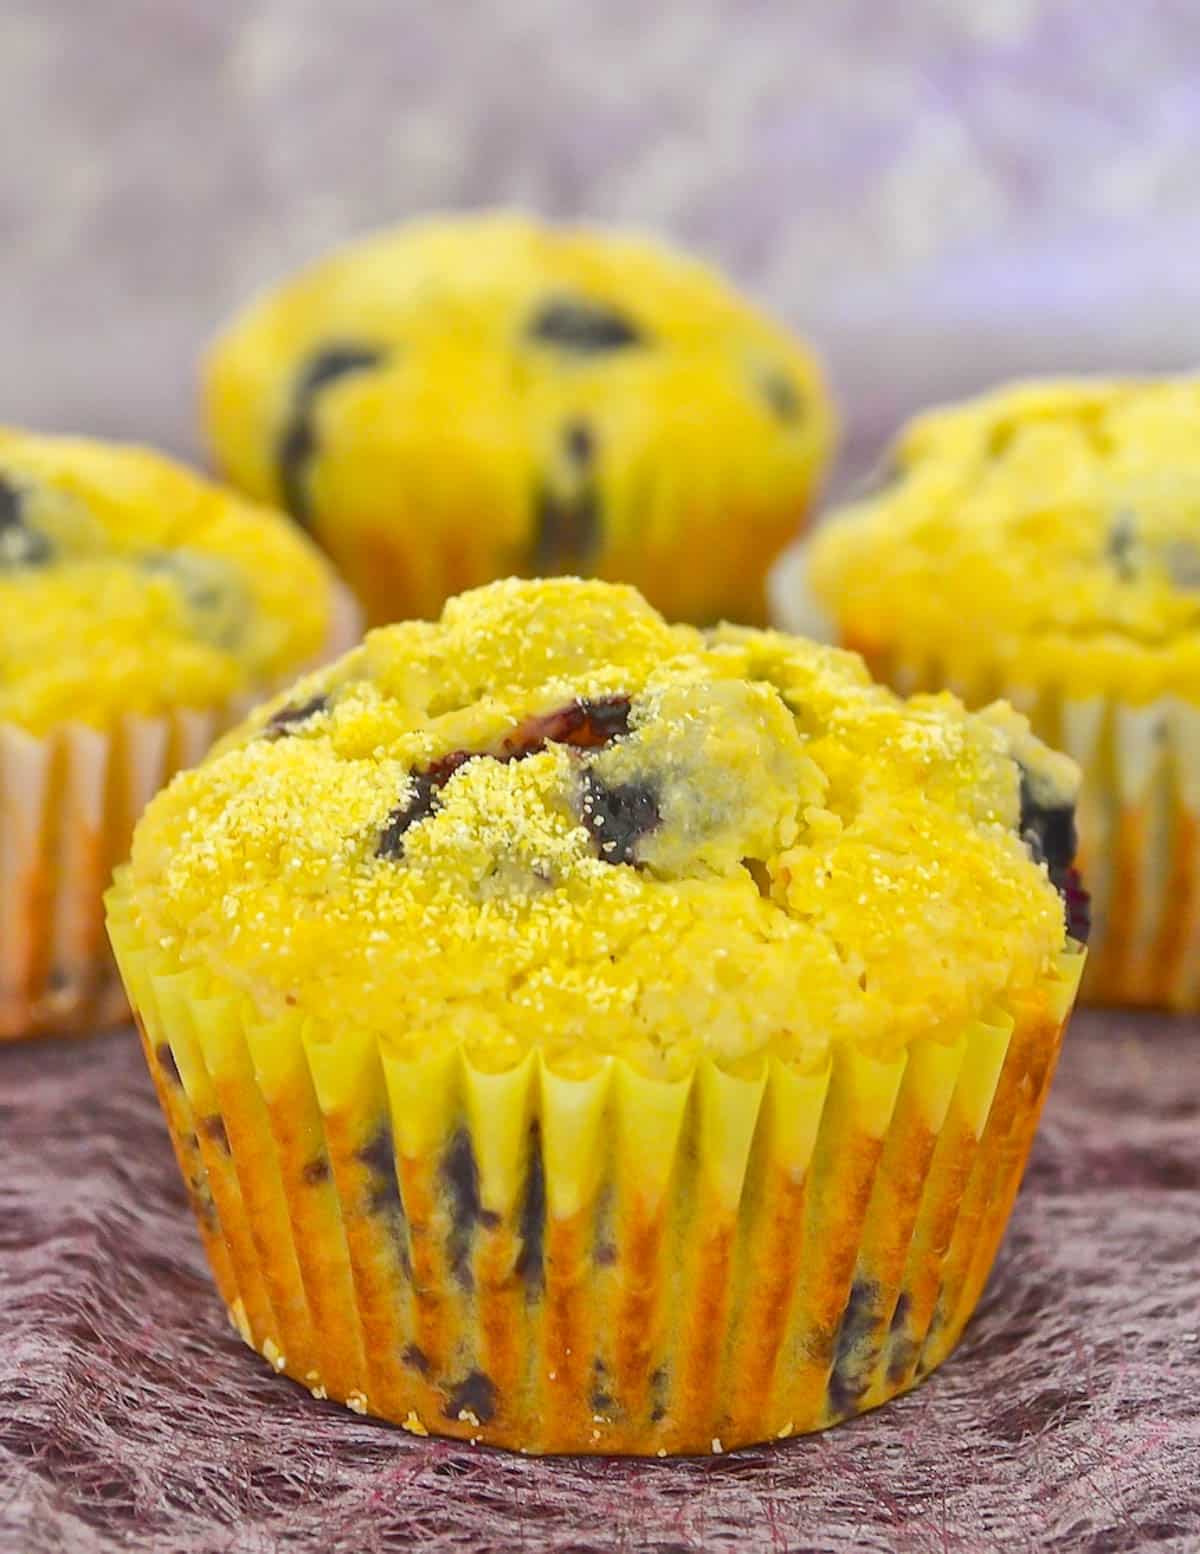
(140, 609)
(1043, 543)
(459, 400)
(583, 1033)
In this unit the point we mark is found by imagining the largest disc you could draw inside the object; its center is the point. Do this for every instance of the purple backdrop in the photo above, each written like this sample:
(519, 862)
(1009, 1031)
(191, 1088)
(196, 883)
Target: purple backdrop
(941, 192)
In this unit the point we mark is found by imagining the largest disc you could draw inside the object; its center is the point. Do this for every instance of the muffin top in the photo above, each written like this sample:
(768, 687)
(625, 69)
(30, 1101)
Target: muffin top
(563, 392)
(550, 820)
(1053, 527)
(129, 585)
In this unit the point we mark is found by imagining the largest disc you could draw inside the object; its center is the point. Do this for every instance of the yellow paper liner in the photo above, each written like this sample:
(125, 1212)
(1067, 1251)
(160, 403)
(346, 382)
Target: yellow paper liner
(610, 1264)
(68, 804)
(1138, 814)
(704, 565)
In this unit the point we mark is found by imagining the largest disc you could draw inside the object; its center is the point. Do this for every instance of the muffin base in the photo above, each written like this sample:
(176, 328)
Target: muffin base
(68, 805)
(610, 1264)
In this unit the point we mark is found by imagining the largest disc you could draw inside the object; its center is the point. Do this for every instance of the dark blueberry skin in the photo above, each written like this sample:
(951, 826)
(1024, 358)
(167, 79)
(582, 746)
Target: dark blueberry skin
(475, 1394)
(566, 532)
(618, 817)
(1078, 906)
(460, 1181)
(285, 721)
(166, 1061)
(379, 1157)
(1049, 833)
(213, 1127)
(416, 1359)
(426, 787)
(579, 443)
(20, 546)
(567, 522)
(601, 1398)
(298, 440)
(530, 1266)
(780, 393)
(583, 327)
(1122, 547)
(586, 725)
(660, 1387)
(383, 1198)
(846, 1387)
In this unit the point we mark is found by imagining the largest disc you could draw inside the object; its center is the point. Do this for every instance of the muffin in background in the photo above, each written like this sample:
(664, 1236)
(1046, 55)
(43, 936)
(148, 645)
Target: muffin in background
(463, 399)
(1042, 543)
(141, 610)
(580, 1033)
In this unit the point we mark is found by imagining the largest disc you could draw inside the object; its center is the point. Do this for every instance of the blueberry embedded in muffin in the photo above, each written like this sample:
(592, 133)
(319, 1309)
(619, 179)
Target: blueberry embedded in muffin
(298, 440)
(20, 544)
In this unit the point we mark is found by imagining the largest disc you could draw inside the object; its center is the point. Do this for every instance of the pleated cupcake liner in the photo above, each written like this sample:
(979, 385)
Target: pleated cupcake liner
(692, 537)
(68, 804)
(1139, 809)
(605, 1264)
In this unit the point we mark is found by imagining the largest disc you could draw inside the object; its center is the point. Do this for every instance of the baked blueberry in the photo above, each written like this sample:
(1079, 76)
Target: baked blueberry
(576, 324)
(20, 544)
(298, 440)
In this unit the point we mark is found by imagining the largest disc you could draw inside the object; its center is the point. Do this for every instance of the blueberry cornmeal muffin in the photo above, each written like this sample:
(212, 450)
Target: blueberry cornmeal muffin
(459, 400)
(1043, 543)
(139, 608)
(582, 1033)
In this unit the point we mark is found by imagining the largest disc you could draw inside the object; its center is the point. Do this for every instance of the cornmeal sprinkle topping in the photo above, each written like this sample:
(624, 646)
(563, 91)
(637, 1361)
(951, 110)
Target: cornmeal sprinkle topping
(552, 820)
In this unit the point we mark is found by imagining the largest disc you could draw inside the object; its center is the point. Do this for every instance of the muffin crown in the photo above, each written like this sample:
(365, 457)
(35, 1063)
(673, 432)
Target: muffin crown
(1057, 522)
(129, 585)
(463, 398)
(550, 820)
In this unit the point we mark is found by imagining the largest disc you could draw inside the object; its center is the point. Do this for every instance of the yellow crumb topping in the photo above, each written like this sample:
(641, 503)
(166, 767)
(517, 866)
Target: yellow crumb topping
(552, 820)
(1051, 530)
(458, 400)
(130, 585)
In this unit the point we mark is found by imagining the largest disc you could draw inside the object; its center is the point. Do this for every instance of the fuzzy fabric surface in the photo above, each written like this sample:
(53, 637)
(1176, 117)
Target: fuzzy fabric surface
(131, 1418)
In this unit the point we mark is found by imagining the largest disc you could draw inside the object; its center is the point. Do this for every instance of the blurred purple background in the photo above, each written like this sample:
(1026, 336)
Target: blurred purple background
(941, 192)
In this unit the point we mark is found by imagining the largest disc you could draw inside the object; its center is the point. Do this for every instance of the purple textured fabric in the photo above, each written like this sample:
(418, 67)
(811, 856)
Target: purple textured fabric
(131, 1418)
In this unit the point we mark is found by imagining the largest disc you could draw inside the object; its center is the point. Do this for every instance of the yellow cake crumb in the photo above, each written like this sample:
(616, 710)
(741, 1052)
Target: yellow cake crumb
(398, 848)
(273, 1355)
(1047, 534)
(129, 585)
(412, 1424)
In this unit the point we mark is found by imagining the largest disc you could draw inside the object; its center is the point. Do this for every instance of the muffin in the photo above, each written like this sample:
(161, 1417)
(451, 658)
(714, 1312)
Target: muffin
(580, 1033)
(460, 400)
(1043, 543)
(140, 609)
